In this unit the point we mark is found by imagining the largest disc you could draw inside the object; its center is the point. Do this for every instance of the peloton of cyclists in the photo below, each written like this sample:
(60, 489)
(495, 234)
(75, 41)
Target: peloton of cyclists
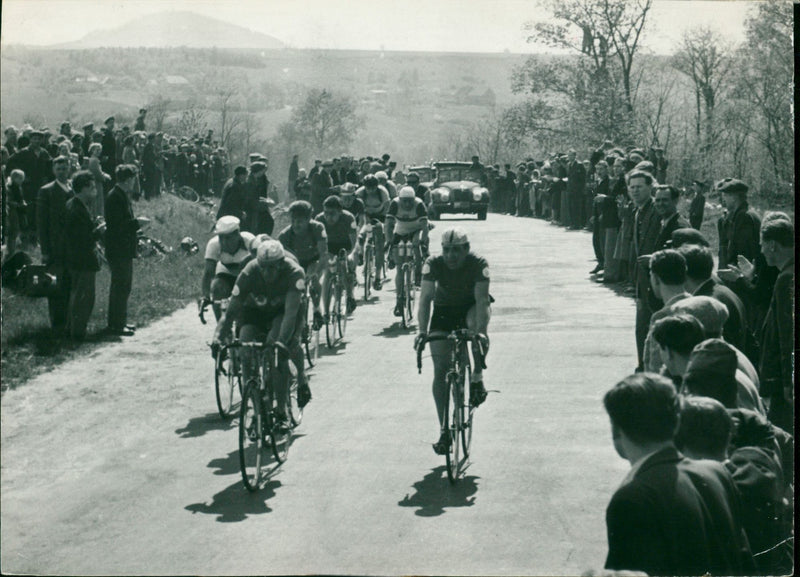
(457, 284)
(406, 220)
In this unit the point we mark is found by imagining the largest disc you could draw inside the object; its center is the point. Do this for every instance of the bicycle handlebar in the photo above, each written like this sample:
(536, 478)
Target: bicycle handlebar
(457, 335)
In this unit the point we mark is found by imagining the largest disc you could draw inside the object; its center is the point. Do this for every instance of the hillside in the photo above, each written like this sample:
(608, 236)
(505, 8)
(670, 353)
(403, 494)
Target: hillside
(175, 28)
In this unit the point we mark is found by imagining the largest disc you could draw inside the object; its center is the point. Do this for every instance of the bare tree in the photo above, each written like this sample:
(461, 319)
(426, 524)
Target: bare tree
(157, 110)
(323, 122)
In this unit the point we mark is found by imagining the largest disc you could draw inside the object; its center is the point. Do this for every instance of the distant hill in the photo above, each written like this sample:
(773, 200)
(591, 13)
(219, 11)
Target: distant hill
(172, 29)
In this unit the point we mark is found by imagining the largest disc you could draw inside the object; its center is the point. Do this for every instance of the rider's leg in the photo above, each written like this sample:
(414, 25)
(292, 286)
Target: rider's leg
(477, 370)
(250, 334)
(312, 275)
(282, 382)
(398, 277)
(377, 234)
(440, 352)
(326, 289)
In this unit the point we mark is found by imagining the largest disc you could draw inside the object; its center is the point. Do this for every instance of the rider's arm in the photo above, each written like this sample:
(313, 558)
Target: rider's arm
(225, 322)
(390, 222)
(385, 200)
(322, 246)
(208, 274)
(426, 294)
(482, 306)
(291, 307)
(353, 234)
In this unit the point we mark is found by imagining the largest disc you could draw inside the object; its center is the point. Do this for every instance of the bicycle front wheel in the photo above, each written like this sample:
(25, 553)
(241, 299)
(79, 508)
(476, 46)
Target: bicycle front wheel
(280, 437)
(409, 294)
(227, 382)
(367, 271)
(340, 309)
(453, 427)
(251, 437)
(295, 410)
(467, 412)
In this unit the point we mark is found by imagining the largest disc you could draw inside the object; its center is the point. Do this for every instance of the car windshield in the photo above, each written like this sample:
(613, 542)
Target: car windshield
(453, 173)
(425, 174)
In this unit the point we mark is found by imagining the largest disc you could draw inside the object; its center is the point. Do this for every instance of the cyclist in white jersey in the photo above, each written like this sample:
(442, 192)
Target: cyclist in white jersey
(406, 220)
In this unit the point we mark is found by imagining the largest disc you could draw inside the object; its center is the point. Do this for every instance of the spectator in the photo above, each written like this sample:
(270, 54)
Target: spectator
(150, 178)
(109, 142)
(101, 179)
(616, 207)
(576, 183)
(234, 195)
(646, 229)
(302, 186)
(51, 209)
(698, 205)
(700, 282)
(667, 277)
(88, 131)
(672, 515)
(36, 163)
(321, 184)
(509, 188)
(139, 124)
(739, 226)
(601, 198)
(315, 169)
(666, 203)
(258, 219)
(777, 341)
(81, 255)
(683, 236)
(523, 185)
(294, 171)
(660, 163)
(676, 336)
(11, 140)
(705, 429)
(15, 207)
(121, 243)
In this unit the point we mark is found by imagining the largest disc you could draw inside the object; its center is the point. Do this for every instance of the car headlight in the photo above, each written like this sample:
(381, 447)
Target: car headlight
(443, 194)
(478, 193)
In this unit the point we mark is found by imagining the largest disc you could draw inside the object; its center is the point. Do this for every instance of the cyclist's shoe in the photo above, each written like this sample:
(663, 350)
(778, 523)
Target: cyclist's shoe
(282, 423)
(303, 394)
(360, 259)
(398, 309)
(319, 322)
(477, 393)
(326, 318)
(377, 284)
(442, 446)
(252, 431)
(390, 263)
(351, 305)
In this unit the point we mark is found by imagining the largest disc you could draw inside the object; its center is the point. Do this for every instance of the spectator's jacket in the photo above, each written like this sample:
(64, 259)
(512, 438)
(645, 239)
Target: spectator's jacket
(232, 202)
(696, 210)
(738, 235)
(611, 217)
(37, 167)
(576, 178)
(646, 230)
(109, 155)
(673, 223)
(735, 327)
(777, 341)
(121, 226)
(51, 216)
(81, 253)
(676, 516)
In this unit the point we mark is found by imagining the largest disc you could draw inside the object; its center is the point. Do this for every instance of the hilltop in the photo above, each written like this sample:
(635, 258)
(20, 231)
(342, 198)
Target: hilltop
(173, 29)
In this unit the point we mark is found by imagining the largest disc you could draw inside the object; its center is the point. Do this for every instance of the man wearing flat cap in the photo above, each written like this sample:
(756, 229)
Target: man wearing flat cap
(739, 227)
(109, 142)
(321, 184)
(258, 218)
(697, 207)
(35, 162)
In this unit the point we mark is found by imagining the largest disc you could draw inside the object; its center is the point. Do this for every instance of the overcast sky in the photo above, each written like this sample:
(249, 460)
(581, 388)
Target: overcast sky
(425, 25)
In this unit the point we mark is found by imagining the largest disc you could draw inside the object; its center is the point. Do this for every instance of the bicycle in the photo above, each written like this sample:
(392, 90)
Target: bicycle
(336, 321)
(407, 268)
(309, 337)
(258, 419)
(371, 265)
(227, 368)
(459, 426)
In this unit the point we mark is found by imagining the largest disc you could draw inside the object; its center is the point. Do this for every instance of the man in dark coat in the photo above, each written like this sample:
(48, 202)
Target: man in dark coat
(671, 515)
(739, 227)
(697, 207)
(321, 184)
(36, 163)
(234, 195)
(51, 213)
(777, 341)
(81, 254)
(109, 142)
(294, 169)
(666, 203)
(576, 185)
(149, 169)
(258, 218)
(121, 243)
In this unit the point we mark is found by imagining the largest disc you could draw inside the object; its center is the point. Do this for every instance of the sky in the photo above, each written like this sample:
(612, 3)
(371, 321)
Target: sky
(418, 25)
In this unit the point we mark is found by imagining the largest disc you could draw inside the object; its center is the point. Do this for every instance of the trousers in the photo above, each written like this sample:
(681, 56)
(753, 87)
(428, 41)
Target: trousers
(119, 291)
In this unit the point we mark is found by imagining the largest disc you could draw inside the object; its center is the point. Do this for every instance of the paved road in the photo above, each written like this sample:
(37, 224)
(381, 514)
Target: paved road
(118, 464)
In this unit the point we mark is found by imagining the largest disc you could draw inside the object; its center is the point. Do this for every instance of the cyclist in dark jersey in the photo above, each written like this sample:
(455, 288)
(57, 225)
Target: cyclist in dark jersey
(376, 202)
(266, 302)
(457, 284)
(340, 226)
(306, 239)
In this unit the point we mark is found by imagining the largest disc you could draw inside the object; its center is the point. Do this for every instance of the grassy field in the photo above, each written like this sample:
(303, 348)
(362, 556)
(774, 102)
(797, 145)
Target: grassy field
(160, 286)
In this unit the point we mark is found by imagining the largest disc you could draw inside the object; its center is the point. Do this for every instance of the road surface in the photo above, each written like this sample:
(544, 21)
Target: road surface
(117, 463)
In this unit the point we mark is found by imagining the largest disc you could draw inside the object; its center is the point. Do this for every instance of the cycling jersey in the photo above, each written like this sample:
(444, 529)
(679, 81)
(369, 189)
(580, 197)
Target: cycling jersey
(356, 207)
(373, 201)
(339, 232)
(228, 263)
(455, 288)
(407, 221)
(304, 247)
(264, 300)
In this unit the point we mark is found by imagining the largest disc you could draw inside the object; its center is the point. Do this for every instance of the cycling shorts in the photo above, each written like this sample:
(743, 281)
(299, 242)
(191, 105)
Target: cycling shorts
(449, 318)
(398, 238)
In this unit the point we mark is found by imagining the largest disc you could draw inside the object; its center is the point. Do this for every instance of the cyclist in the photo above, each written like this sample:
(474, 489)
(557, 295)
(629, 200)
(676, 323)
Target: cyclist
(420, 190)
(226, 254)
(340, 226)
(307, 241)
(351, 203)
(376, 202)
(383, 180)
(457, 283)
(266, 302)
(406, 220)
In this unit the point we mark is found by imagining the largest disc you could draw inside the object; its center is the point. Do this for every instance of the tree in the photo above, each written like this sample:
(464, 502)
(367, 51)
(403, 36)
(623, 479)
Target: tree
(157, 110)
(322, 123)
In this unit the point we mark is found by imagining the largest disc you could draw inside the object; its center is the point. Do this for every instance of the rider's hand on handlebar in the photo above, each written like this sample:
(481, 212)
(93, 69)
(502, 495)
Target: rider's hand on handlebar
(484, 342)
(216, 345)
(419, 341)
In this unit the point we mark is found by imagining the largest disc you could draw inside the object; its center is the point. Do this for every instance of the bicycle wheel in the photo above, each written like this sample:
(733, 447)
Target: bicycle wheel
(453, 426)
(310, 337)
(340, 308)
(227, 382)
(467, 410)
(367, 271)
(280, 437)
(409, 293)
(251, 436)
(295, 411)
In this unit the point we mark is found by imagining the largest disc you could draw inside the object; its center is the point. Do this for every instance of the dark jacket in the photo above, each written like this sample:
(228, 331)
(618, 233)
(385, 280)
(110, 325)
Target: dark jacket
(739, 234)
(81, 251)
(674, 222)
(38, 169)
(777, 341)
(232, 202)
(646, 231)
(696, 210)
(109, 154)
(51, 216)
(735, 328)
(121, 226)
(678, 517)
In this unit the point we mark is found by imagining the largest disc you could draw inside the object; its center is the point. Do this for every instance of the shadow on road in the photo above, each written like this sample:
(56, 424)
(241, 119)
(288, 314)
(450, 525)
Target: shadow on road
(434, 493)
(395, 330)
(235, 503)
(199, 426)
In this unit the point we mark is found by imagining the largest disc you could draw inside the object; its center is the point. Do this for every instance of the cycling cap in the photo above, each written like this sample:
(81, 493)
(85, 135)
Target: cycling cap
(269, 251)
(257, 240)
(381, 175)
(454, 236)
(226, 225)
(406, 192)
(370, 180)
(348, 188)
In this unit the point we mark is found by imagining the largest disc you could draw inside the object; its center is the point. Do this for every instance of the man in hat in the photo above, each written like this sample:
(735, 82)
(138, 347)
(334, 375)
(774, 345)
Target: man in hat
(321, 184)
(740, 225)
(294, 170)
(51, 211)
(88, 131)
(697, 207)
(234, 194)
(139, 124)
(109, 142)
(258, 217)
(35, 162)
(315, 169)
